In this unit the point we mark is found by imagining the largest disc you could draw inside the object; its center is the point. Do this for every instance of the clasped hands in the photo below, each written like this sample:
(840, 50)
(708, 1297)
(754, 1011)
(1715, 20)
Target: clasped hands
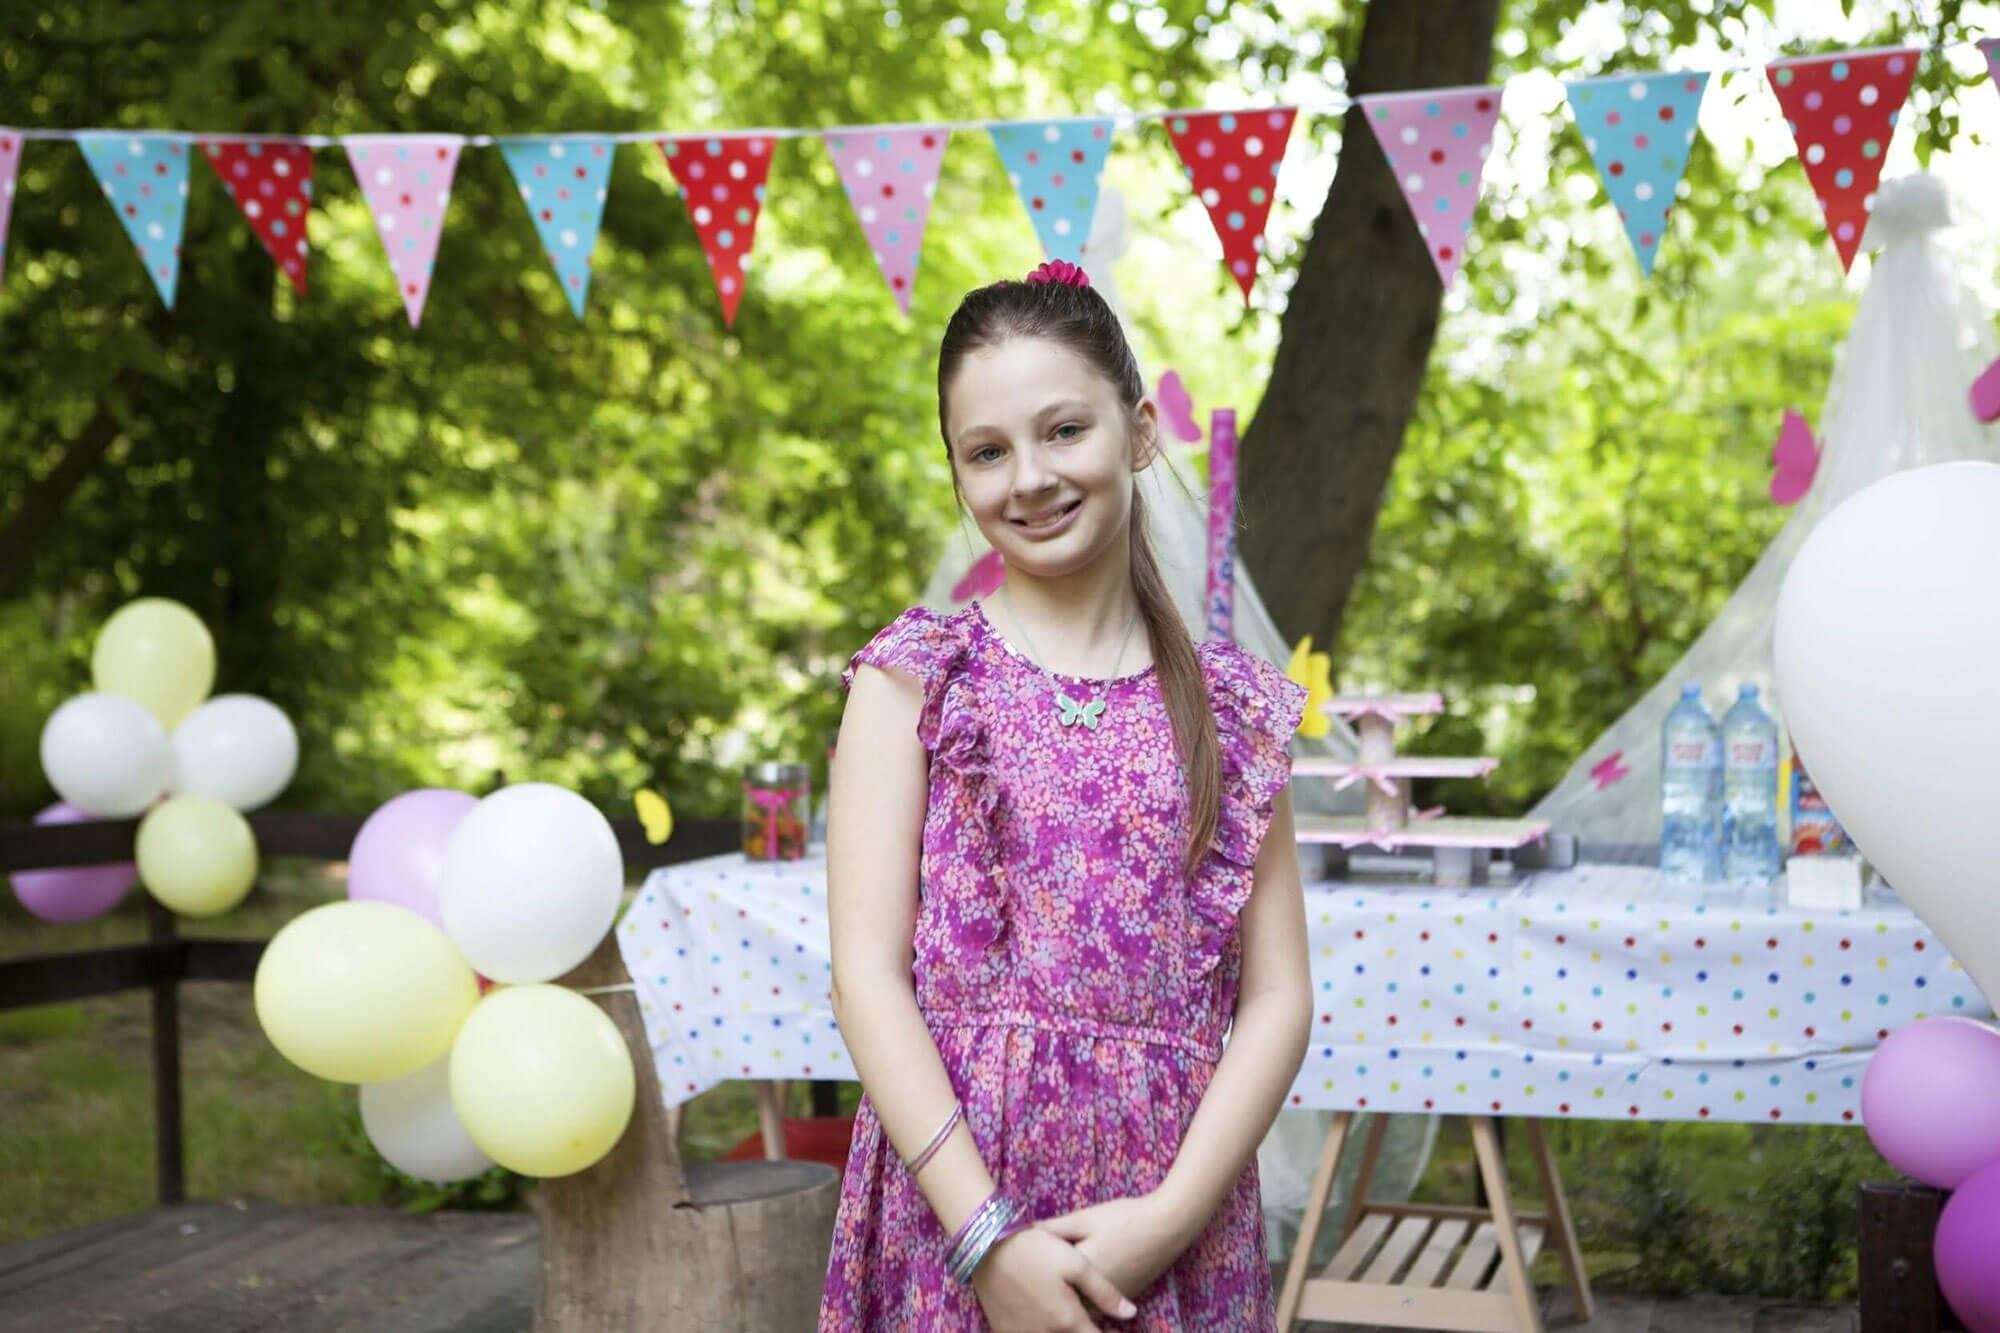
(1049, 1278)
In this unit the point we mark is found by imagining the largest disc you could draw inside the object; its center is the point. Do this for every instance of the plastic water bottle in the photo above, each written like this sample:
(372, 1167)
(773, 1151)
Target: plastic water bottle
(1749, 792)
(1690, 792)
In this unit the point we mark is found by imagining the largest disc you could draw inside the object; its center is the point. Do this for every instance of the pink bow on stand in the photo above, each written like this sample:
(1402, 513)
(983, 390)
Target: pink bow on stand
(771, 800)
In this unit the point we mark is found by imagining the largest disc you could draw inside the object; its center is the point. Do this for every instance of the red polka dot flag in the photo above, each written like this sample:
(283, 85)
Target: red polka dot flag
(722, 179)
(10, 165)
(1842, 110)
(272, 184)
(1437, 143)
(1231, 158)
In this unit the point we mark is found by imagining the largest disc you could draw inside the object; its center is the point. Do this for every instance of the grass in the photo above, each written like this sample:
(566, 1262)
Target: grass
(1662, 1209)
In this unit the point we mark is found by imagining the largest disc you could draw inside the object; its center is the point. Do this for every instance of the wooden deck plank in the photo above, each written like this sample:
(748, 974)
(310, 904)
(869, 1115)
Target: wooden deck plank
(302, 1269)
(88, 1254)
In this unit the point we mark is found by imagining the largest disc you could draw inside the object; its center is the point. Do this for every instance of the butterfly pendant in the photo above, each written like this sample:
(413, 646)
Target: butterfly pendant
(1074, 712)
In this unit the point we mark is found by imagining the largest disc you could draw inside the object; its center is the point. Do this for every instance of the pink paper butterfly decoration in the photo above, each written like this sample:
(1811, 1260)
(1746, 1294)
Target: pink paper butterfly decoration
(1177, 407)
(988, 572)
(1797, 458)
(1986, 392)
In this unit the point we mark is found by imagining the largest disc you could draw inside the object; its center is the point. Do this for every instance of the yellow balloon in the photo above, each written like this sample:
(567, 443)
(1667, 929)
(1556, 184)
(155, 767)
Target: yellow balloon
(196, 855)
(362, 992)
(541, 1080)
(156, 651)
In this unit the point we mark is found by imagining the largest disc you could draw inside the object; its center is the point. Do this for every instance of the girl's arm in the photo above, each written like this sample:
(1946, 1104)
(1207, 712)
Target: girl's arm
(876, 797)
(1271, 1028)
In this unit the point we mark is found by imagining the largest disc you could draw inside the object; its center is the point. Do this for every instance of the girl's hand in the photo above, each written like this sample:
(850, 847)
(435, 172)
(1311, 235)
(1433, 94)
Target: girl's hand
(1034, 1283)
(1131, 1241)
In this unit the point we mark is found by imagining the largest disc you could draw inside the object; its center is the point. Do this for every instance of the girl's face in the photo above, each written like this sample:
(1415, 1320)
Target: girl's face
(1044, 454)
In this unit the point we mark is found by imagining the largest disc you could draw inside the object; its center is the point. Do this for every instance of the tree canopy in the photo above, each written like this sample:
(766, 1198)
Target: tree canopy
(634, 550)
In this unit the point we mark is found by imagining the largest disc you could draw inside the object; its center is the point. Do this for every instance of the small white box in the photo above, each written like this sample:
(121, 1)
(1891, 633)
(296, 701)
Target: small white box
(1823, 883)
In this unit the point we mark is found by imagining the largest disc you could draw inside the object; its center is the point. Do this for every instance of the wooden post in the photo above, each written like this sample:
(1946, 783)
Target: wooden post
(1899, 1290)
(641, 1241)
(167, 1139)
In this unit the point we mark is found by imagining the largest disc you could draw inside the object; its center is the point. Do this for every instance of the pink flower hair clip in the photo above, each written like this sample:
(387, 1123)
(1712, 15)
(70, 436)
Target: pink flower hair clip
(1061, 272)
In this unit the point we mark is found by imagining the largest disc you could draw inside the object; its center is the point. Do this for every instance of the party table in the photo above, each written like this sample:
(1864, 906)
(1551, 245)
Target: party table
(1590, 992)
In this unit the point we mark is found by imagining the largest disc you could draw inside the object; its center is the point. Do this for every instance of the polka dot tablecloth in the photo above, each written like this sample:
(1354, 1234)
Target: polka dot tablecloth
(733, 971)
(1590, 993)
(1585, 993)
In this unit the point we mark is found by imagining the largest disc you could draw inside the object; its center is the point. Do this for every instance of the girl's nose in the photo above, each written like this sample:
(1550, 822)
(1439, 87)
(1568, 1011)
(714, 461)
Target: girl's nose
(1031, 471)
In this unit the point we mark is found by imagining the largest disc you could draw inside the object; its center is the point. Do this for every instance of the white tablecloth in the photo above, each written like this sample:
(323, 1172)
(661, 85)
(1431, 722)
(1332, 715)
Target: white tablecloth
(1582, 993)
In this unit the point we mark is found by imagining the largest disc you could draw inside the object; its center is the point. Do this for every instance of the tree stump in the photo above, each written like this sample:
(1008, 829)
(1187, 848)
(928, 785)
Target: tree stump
(642, 1241)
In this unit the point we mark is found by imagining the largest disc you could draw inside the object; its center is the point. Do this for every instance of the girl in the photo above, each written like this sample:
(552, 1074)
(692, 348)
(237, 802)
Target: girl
(1061, 864)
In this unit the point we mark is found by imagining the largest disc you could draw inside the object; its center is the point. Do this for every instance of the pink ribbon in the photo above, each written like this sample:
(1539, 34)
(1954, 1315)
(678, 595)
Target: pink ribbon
(770, 801)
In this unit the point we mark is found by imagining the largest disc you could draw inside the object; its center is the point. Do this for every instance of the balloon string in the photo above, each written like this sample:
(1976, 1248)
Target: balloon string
(606, 990)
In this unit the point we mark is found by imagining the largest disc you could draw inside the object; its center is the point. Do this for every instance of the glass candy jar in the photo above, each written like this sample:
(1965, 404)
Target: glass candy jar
(776, 811)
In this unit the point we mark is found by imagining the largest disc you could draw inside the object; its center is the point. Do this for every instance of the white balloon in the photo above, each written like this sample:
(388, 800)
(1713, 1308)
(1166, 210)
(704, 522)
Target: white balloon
(1886, 649)
(106, 755)
(532, 877)
(411, 1122)
(238, 748)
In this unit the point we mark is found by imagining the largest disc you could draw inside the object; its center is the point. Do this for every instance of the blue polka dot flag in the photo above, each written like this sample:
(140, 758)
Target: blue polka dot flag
(1639, 128)
(145, 178)
(563, 183)
(1054, 166)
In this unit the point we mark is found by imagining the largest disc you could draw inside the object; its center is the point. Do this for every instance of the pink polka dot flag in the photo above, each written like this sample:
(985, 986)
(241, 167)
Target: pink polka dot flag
(406, 179)
(889, 176)
(1991, 47)
(144, 176)
(722, 179)
(272, 184)
(1437, 143)
(1639, 128)
(10, 166)
(1842, 110)
(1231, 159)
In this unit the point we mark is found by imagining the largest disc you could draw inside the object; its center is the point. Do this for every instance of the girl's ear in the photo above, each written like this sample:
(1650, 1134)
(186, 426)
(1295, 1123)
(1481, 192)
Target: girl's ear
(1145, 434)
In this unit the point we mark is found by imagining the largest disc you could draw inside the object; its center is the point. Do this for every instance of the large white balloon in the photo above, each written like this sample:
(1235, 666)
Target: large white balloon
(238, 748)
(532, 876)
(107, 755)
(411, 1122)
(1887, 655)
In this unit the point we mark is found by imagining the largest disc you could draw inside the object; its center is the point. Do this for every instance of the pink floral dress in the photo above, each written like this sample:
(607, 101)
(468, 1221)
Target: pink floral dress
(1076, 981)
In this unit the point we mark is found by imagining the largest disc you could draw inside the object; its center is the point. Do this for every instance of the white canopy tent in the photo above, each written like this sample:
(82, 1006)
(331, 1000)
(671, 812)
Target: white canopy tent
(1898, 400)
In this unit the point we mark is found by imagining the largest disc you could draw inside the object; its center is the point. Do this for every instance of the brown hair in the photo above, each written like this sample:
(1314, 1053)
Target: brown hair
(1077, 317)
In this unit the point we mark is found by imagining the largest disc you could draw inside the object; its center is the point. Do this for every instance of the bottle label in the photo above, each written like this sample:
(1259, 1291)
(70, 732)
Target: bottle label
(1691, 753)
(1749, 753)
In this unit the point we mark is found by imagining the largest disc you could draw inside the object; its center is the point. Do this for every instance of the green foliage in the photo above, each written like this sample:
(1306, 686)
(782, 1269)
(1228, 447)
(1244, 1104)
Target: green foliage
(1727, 1208)
(634, 550)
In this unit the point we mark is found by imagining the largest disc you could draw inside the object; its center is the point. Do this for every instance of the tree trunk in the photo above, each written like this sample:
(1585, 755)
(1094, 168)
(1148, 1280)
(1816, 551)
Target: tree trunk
(1356, 336)
(639, 1241)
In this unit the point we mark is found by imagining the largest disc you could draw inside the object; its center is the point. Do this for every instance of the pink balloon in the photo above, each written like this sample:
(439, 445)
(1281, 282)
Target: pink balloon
(73, 893)
(398, 856)
(1968, 1238)
(1931, 1099)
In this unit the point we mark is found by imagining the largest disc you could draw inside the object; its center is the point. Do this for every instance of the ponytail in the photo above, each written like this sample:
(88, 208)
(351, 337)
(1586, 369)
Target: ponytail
(1182, 688)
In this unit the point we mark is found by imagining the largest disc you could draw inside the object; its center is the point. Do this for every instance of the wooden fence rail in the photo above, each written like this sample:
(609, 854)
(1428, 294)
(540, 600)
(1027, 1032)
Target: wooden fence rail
(167, 958)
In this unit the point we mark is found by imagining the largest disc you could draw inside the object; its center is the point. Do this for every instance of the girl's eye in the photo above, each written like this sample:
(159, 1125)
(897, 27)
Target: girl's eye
(979, 455)
(1069, 430)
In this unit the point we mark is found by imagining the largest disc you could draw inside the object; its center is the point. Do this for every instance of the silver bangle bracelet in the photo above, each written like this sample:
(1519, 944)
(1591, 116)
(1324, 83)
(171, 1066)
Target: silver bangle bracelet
(917, 1163)
(986, 1229)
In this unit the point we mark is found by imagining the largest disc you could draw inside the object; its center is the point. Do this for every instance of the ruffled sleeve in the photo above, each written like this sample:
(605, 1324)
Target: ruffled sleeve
(921, 644)
(1257, 711)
